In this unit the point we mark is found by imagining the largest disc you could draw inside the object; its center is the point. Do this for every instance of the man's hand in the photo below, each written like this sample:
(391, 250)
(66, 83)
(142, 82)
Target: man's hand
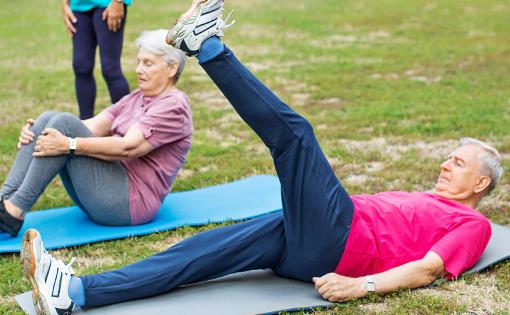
(26, 135)
(113, 14)
(337, 288)
(51, 143)
(69, 18)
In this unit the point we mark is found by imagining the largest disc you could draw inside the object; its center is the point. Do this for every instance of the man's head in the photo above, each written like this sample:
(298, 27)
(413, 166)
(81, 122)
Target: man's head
(470, 172)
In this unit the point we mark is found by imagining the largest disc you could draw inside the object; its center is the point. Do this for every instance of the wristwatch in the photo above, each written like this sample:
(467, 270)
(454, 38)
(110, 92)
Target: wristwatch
(369, 284)
(72, 145)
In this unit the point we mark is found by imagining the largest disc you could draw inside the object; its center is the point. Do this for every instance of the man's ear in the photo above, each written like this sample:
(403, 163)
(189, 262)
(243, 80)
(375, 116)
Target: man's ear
(482, 182)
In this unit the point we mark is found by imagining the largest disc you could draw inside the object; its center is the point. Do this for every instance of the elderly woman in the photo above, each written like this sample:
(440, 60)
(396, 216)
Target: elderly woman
(118, 165)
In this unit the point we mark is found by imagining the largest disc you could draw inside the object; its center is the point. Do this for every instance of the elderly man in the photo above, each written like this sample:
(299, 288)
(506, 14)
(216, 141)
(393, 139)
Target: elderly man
(348, 246)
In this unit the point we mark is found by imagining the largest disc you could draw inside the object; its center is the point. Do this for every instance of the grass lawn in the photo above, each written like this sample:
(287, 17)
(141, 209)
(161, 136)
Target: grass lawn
(390, 85)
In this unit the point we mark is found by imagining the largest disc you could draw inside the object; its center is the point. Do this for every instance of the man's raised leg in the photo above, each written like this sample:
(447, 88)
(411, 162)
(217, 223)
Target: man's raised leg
(317, 210)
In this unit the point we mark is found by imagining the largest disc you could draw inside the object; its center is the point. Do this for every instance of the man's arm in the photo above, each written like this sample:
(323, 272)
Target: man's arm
(336, 288)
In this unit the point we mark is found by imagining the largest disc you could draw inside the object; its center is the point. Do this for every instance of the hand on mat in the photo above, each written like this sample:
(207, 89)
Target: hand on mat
(113, 14)
(51, 143)
(69, 18)
(26, 135)
(337, 288)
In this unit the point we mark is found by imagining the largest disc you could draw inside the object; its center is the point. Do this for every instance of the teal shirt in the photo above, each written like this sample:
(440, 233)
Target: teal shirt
(85, 5)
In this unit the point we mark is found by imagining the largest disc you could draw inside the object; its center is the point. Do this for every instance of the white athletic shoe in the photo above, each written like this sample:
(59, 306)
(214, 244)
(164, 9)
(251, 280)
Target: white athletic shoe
(201, 21)
(49, 277)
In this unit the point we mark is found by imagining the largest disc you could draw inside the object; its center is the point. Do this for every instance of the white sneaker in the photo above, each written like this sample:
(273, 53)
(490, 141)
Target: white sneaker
(201, 21)
(49, 277)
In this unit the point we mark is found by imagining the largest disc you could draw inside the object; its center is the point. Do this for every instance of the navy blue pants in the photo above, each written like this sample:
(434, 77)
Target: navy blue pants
(306, 239)
(91, 32)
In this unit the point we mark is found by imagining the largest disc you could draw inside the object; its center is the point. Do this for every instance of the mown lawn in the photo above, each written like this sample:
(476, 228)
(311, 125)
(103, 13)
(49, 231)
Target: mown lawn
(389, 85)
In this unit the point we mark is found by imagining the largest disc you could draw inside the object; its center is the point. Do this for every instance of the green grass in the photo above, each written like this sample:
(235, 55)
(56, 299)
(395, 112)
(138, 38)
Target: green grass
(387, 84)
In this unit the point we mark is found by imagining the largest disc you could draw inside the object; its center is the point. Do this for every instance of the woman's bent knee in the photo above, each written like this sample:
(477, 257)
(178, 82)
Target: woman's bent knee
(45, 117)
(64, 122)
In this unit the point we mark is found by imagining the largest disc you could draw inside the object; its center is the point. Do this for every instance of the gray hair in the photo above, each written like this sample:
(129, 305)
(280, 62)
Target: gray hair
(491, 160)
(154, 42)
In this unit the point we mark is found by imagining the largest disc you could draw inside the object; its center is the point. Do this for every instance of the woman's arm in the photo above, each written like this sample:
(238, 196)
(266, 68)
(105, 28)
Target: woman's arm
(336, 288)
(132, 145)
(69, 18)
(99, 125)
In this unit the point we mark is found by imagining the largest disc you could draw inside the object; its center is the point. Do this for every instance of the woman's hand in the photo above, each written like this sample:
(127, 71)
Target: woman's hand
(51, 143)
(26, 135)
(113, 14)
(69, 18)
(337, 288)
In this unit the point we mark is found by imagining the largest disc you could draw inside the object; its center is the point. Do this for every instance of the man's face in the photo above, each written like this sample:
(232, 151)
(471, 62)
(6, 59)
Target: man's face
(460, 173)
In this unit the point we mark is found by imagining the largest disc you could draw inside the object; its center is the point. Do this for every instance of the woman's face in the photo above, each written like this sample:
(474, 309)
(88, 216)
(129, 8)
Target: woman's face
(154, 75)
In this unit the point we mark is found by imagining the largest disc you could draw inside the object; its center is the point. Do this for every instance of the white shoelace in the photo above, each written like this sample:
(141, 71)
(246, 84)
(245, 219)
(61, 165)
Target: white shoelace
(224, 24)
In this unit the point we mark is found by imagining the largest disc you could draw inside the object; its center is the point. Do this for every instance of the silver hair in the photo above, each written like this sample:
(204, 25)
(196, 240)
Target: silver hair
(154, 42)
(491, 160)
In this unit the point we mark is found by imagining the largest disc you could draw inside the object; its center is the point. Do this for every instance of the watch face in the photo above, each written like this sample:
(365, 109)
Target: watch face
(370, 287)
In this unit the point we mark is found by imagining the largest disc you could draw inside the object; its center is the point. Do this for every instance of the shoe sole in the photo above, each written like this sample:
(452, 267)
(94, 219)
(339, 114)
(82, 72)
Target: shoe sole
(186, 15)
(28, 265)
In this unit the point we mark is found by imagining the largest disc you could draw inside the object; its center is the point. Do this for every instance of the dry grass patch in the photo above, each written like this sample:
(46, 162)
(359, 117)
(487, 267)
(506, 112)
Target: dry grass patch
(394, 150)
(480, 297)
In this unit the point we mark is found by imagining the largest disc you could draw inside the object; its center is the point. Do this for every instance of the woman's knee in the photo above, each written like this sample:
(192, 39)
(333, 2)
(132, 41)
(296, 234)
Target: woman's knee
(83, 66)
(45, 117)
(66, 123)
(111, 72)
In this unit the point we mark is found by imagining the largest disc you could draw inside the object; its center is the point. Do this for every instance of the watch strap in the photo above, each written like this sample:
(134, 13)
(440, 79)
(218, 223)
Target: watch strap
(369, 284)
(72, 145)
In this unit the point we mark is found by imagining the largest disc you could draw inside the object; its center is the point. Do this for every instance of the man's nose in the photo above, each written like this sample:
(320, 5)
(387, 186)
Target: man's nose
(445, 165)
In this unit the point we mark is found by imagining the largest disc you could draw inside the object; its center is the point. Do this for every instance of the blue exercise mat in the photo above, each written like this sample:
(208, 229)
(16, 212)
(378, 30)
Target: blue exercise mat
(243, 199)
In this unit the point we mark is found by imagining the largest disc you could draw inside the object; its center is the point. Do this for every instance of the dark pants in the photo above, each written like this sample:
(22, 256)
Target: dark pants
(307, 239)
(92, 31)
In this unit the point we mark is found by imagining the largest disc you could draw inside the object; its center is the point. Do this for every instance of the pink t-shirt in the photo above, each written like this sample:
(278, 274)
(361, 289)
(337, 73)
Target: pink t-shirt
(165, 121)
(390, 229)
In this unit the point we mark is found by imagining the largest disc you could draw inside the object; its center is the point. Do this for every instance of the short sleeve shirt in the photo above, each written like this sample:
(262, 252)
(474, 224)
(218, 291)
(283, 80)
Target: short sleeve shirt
(85, 5)
(165, 121)
(390, 229)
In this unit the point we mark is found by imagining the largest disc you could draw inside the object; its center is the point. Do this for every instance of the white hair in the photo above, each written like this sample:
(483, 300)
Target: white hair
(491, 160)
(154, 42)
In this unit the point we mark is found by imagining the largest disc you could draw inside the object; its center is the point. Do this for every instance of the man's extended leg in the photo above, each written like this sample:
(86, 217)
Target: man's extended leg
(254, 244)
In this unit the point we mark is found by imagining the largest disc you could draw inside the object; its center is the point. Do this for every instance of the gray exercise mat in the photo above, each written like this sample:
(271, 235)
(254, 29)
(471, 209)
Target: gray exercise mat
(496, 251)
(254, 292)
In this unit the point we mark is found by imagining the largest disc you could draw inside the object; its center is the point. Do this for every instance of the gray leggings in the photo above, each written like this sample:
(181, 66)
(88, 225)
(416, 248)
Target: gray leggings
(98, 187)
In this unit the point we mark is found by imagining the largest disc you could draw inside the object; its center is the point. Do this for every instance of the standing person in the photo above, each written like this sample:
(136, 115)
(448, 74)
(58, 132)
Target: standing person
(117, 166)
(94, 23)
(348, 246)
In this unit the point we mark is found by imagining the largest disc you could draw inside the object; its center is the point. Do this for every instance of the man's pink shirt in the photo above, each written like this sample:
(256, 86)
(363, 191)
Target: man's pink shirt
(165, 121)
(390, 229)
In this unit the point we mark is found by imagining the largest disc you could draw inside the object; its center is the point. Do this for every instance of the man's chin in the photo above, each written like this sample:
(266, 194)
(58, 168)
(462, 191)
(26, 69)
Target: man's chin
(440, 187)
